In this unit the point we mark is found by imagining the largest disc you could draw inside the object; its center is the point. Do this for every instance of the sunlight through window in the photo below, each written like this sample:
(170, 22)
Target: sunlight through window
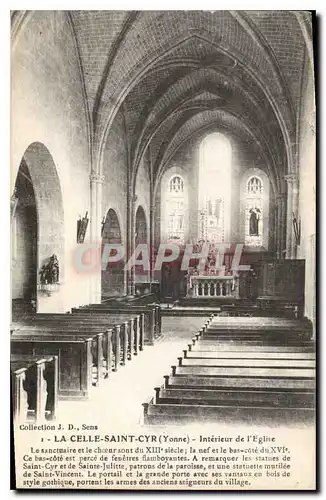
(214, 199)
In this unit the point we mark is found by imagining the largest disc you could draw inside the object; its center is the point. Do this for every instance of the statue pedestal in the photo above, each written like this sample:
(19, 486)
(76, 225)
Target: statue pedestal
(50, 298)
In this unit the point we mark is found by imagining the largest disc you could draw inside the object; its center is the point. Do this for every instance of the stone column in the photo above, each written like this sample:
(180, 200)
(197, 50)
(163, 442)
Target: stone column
(131, 243)
(96, 182)
(280, 205)
(292, 208)
(295, 211)
(133, 240)
(151, 242)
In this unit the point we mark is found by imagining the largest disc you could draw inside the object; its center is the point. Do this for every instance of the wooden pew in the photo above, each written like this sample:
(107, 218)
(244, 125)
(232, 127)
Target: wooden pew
(251, 362)
(74, 359)
(238, 310)
(153, 322)
(241, 310)
(258, 333)
(231, 371)
(145, 321)
(246, 340)
(242, 396)
(247, 354)
(257, 324)
(213, 345)
(245, 383)
(268, 337)
(47, 331)
(179, 414)
(34, 386)
(137, 324)
(152, 317)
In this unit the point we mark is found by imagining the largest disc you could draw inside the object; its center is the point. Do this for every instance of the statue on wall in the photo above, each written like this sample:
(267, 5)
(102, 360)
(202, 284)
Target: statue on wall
(82, 224)
(49, 273)
(254, 221)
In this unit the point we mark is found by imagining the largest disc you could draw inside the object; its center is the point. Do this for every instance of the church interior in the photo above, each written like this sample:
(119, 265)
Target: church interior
(181, 146)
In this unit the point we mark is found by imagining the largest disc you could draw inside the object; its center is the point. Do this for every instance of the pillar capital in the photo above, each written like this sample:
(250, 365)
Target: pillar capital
(292, 178)
(96, 178)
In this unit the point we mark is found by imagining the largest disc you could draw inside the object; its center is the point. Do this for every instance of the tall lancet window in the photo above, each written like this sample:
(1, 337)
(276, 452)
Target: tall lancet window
(254, 194)
(214, 196)
(254, 211)
(176, 209)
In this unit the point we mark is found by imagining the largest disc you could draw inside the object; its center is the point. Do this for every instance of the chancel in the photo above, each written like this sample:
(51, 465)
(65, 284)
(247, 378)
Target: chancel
(187, 139)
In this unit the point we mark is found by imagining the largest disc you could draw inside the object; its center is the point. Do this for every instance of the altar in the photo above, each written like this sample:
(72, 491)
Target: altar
(209, 286)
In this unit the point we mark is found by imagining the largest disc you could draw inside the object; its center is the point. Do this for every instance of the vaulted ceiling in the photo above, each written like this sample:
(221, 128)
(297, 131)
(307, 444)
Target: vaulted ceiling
(173, 73)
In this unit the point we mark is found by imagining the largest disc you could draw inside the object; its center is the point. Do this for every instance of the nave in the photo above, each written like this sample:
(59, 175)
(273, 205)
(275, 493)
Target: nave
(138, 136)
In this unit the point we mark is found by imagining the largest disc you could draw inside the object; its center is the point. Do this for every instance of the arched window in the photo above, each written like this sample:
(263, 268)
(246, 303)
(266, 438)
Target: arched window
(176, 184)
(111, 228)
(214, 196)
(176, 209)
(254, 208)
(254, 186)
(254, 211)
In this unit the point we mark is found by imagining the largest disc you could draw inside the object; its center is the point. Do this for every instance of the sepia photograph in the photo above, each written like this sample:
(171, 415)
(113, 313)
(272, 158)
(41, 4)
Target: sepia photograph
(163, 250)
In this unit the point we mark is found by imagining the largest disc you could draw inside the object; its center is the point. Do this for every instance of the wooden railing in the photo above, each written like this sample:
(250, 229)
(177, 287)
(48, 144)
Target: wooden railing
(213, 286)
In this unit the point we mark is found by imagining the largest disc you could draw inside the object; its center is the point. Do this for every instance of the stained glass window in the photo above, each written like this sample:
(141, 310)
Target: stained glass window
(176, 209)
(214, 197)
(254, 207)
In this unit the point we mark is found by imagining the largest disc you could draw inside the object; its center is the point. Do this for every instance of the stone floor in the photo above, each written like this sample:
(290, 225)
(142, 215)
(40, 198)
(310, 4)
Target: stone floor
(120, 398)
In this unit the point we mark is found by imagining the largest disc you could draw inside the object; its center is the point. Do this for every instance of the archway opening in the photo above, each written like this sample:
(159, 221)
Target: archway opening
(24, 242)
(112, 279)
(37, 230)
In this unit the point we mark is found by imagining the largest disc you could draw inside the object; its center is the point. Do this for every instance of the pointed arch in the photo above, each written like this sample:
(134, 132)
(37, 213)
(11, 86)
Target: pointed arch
(39, 170)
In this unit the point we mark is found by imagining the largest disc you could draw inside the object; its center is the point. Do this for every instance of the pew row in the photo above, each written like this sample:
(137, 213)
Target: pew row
(260, 378)
(152, 314)
(127, 336)
(260, 327)
(100, 355)
(107, 345)
(179, 414)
